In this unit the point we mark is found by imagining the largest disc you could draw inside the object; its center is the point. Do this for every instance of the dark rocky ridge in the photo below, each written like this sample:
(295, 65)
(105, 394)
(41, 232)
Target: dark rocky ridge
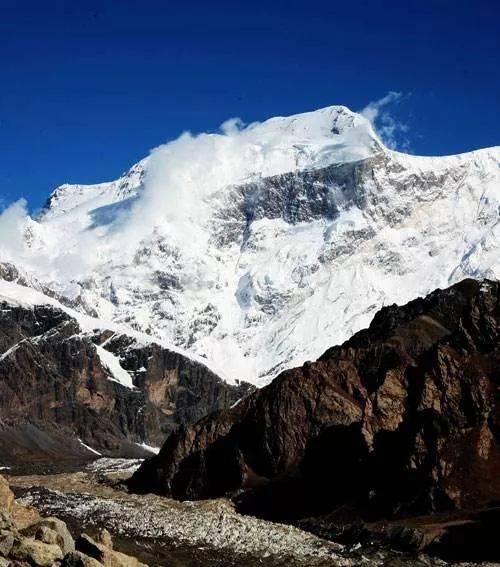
(401, 420)
(54, 389)
(11, 273)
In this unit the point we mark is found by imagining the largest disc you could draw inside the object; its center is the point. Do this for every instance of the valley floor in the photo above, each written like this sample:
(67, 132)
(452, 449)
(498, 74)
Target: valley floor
(160, 531)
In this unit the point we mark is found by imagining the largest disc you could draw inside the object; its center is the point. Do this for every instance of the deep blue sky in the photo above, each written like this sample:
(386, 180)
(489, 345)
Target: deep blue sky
(87, 88)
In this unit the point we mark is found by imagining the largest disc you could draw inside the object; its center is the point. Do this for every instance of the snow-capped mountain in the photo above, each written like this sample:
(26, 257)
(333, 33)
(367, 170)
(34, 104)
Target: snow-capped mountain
(259, 247)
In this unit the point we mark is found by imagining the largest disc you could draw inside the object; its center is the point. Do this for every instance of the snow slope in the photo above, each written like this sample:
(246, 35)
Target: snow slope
(258, 248)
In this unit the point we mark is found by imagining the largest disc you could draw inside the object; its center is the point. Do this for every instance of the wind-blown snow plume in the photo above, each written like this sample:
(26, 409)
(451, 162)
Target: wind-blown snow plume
(388, 128)
(13, 221)
(181, 174)
(46, 251)
(177, 179)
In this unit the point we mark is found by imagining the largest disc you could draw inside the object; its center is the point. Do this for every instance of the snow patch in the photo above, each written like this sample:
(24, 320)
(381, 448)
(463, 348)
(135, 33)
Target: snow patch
(112, 363)
(17, 295)
(149, 448)
(11, 350)
(89, 448)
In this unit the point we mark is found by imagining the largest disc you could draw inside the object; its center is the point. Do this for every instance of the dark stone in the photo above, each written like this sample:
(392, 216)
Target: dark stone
(85, 544)
(79, 559)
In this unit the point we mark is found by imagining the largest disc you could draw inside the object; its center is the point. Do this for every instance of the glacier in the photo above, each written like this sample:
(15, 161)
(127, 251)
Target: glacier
(258, 247)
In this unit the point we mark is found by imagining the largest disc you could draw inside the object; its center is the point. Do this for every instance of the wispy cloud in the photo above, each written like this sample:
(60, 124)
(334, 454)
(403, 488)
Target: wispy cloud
(392, 131)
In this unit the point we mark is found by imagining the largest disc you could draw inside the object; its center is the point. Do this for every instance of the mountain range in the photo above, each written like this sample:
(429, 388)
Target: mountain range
(305, 321)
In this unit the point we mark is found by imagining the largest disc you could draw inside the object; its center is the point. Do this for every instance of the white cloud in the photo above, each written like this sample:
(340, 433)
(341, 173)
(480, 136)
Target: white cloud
(13, 224)
(391, 131)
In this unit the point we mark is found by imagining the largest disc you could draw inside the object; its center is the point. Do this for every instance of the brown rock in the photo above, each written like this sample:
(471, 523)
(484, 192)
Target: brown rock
(5, 520)
(56, 390)
(117, 559)
(24, 516)
(90, 547)
(11, 512)
(105, 555)
(64, 538)
(45, 534)
(105, 538)
(36, 552)
(6, 495)
(6, 543)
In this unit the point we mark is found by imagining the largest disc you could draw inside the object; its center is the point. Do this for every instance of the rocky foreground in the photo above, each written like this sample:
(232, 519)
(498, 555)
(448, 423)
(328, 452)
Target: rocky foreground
(27, 539)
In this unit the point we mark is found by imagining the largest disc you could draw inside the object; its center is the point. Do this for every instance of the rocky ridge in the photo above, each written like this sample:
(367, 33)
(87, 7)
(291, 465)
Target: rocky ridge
(399, 421)
(68, 391)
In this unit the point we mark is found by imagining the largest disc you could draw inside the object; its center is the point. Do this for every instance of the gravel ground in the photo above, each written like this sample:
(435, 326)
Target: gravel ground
(161, 531)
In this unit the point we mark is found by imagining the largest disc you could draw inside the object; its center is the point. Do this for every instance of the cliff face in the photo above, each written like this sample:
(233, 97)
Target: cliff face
(401, 419)
(59, 385)
(176, 389)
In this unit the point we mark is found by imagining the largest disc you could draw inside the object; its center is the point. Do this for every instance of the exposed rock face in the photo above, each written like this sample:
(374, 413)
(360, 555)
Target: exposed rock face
(56, 388)
(401, 419)
(11, 273)
(177, 389)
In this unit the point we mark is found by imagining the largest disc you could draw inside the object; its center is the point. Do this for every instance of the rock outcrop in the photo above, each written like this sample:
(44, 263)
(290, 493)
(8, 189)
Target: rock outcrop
(60, 394)
(402, 419)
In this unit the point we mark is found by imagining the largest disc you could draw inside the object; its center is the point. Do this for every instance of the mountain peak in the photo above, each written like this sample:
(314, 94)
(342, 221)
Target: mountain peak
(259, 247)
(331, 120)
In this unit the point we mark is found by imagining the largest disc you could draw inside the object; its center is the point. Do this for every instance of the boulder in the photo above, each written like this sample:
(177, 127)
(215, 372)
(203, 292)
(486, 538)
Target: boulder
(36, 552)
(5, 520)
(104, 554)
(24, 516)
(45, 534)
(11, 512)
(64, 538)
(79, 559)
(6, 543)
(6, 495)
(104, 537)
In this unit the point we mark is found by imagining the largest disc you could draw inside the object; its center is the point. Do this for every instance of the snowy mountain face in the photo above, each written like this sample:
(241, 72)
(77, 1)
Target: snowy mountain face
(259, 247)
